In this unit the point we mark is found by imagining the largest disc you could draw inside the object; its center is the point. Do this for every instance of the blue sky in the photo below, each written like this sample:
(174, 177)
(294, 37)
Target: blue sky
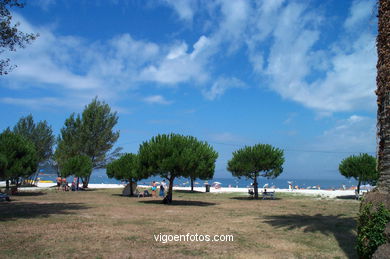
(299, 75)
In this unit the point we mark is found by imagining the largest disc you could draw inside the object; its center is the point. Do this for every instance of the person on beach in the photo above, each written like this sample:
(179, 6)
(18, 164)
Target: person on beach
(74, 184)
(64, 184)
(163, 186)
(154, 188)
(59, 180)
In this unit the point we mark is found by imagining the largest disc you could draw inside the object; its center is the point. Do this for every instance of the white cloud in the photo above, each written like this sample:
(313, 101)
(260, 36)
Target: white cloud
(360, 11)
(178, 51)
(283, 42)
(184, 8)
(356, 134)
(78, 70)
(156, 99)
(179, 65)
(220, 86)
(235, 15)
(345, 74)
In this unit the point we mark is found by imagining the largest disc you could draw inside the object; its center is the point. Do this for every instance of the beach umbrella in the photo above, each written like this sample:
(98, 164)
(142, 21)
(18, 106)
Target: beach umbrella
(265, 185)
(216, 184)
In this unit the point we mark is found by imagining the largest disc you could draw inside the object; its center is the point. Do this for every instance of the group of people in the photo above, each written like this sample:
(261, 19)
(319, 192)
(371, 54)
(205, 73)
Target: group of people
(62, 184)
(163, 187)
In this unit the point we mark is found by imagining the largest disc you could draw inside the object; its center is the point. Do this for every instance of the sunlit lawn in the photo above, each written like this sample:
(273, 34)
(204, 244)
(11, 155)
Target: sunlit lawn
(103, 224)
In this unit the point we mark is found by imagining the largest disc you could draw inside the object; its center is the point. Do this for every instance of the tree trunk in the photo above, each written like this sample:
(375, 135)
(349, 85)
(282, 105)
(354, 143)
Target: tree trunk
(358, 186)
(192, 185)
(78, 182)
(34, 177)
(169, 194)
(383, 93)
(7, 185)
(131, 187)
(86, 181)
(255, 187)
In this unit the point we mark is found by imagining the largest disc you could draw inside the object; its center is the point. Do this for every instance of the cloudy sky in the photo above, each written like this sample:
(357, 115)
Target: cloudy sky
(299, 75)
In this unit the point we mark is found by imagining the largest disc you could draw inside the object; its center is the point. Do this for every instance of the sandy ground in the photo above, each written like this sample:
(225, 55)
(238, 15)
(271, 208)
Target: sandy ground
(320, 193)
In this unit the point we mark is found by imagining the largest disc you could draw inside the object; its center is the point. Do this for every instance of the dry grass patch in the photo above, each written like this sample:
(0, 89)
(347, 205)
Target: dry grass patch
(103, 224)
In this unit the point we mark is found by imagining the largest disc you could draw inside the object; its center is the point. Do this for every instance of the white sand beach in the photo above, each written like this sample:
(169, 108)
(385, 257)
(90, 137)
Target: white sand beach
(243, 191)
(320, 193)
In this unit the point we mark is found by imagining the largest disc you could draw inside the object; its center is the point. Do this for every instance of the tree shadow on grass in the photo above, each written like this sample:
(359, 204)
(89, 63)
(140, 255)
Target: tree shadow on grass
(23, 193)
(186, 191)
(246, 198)
(89, 189)
(347, 197)
(126, 196)
(17, 210)
(179, 203)
(337, 225)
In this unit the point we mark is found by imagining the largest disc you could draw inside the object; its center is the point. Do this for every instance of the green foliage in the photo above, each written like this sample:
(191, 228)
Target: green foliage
(10, 36)
(371, 226)
(3, 163)
(96, 132)
(80, 166)
(361, 167)
(69, 143)
(17, 156)
(258, 160)
(203, 159)
(90, 134)
(40, 134)
(125, 168)
(174, 155)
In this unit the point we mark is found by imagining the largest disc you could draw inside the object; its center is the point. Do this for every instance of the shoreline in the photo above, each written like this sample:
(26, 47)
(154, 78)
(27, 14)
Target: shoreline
(240, 190)
(310, 192)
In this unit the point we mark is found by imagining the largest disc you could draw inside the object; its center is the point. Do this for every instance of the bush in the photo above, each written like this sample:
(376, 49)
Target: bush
(371, 226)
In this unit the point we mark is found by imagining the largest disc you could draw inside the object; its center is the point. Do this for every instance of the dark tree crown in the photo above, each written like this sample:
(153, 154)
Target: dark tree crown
(10, 36)
(258, 160)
